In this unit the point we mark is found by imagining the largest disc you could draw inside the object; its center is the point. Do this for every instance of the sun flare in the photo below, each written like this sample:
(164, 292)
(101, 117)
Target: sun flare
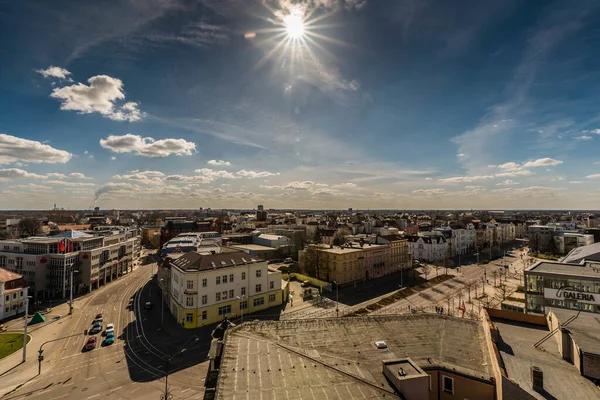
(294, 26)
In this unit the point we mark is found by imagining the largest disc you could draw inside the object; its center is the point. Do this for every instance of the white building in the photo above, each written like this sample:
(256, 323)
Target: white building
(206, 288)
(428, 248)
(464, 239)
(13, 292)
(46, 263)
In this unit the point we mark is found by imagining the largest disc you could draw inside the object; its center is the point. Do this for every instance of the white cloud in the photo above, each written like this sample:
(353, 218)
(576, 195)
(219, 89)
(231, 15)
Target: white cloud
(146, 177)
(471, 187)
(463, 179)
(254, 174)
(583, 137)
(130, 143)
(594, 176)
(32, 186)
(220, 163)
(113, 158)
(56, 175)
(78, 175)
(14, 149)
(100, 96)
(542, 162)
(212, 174)
(346, 185)
(64, 183)
(429, 192)
(16, 173)
(507, 182)
(509, 166)
(428, 178)
(185, 178)
(575, 182)
(516, 172)
(460, 155)
(596, 131)
(54, 72)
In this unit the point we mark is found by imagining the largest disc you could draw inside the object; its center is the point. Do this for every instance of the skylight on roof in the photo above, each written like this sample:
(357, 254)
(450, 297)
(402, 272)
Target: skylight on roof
(223, 263)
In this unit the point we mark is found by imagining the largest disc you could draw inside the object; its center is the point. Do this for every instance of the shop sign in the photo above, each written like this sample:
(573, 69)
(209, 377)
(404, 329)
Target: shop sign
(573, 295)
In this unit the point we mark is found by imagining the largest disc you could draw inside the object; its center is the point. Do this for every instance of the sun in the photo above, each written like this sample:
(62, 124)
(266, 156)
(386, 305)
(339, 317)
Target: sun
(294, 26)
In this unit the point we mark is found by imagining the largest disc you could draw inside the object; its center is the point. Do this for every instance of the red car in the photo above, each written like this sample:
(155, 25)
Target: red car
(91, 344)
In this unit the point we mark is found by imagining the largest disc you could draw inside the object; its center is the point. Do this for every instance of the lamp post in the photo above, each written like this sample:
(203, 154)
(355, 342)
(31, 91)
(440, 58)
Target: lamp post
(162, 303)
(71, 293)
(241, 299)
(166, 395)
(25, 328)
(337, 299)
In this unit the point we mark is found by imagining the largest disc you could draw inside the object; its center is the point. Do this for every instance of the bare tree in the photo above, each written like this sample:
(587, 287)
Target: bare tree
(469, 286)
(461, 295)
(502, 292)
(449, 298)
(426, 270)
(495, 274)
(339, 237)
(29, 226)
(314, 262)
(437, 269)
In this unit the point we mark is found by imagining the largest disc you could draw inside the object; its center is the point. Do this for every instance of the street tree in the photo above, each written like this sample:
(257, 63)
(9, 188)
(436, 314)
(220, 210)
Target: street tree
(339, 237)
(29, 226)
(314, 262)
(502, 292)
(469, 286)
(426, 270)
(495, 274)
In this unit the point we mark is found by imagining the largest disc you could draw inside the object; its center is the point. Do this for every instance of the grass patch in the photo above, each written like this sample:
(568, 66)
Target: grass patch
(10, 342)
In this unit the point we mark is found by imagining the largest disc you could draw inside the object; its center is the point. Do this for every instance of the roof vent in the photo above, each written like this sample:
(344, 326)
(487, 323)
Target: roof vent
(244, 260)
(223, 263)
(381, 344)
(402, 372)
(213, 264)
(232, 261)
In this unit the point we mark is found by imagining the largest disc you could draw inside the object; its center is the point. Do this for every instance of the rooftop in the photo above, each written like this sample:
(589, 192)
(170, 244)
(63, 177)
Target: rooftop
(193, 261)
(7, 276)
(338, 358)
(589, 270)
(256, 247)
(591, 252)
(585, 329)
(338, 250)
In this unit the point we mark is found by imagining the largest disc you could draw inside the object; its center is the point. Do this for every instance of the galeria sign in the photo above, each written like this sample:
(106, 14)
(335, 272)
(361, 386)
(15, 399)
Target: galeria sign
(573, 295)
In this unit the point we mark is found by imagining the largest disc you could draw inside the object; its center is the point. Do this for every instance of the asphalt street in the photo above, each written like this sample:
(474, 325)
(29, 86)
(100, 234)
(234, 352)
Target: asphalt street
(134, 366)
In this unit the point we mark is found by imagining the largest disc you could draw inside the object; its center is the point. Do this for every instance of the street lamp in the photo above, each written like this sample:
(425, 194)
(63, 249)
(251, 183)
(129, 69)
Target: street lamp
(25, 329)
(337, 299)
(241, 299)
(162, 304)
(71, 301)
(166, 395)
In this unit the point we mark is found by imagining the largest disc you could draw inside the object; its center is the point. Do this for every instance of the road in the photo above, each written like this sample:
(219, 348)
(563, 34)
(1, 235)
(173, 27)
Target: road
(133, 367)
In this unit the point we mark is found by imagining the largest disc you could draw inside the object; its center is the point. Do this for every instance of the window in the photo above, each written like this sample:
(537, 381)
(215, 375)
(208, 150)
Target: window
(259, 302)
(218, 280)
(231, 294)
(218, 296)
(243, 276)
(204, 299)
(21, 293)
(189, 318)
(225, 310)
(243, 305)
(224, 278)
(272, 285)
(7, 298)
(231, 278)
(258, 288)
(204, 282)
(243, 291)
(448, 384)
(190, 284)
(14, 296)
(204, 315)
(189, 301)
(224, 295)
(258, 273)
(271, 298)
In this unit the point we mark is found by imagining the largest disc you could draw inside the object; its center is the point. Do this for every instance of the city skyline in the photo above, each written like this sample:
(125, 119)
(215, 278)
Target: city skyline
(299, 105)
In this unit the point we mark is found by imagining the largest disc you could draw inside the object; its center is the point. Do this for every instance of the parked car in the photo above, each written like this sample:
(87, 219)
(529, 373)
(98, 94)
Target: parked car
(148, 305)
(90, 344)
(288, 260)
(96, 329)
(110, 328)
(110, 338)
(99, 316)
(97, 321)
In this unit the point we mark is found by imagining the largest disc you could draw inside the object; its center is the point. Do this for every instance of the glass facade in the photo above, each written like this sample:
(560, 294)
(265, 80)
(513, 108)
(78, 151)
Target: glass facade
(536, 301)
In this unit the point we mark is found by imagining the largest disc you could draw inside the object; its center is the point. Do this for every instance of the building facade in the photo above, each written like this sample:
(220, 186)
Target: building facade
(13, 292)
(428, 248)
(206, 288)
(46, 263)
(343, 265)
(561, 285)
(377, 260)
(400, 258)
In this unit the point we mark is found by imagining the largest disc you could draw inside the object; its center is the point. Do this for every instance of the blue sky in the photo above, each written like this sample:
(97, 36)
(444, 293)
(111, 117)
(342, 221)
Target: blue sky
(395, 104)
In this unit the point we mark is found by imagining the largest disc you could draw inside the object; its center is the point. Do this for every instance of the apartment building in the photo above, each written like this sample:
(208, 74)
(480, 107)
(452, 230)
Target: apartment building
(564, 242)
(377, 260)
(464, 239)
(400, 258)
(428, 248)
(341, 264)
(13, 292)
(93, 258)
(205, 288)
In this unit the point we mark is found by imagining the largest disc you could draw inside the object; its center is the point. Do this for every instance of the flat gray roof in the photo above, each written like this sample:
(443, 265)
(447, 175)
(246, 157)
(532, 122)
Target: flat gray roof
(337, 358)
(565, 269)
(585, 329)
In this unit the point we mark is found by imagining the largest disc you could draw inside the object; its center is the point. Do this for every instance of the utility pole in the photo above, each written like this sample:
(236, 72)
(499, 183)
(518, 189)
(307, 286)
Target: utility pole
(71, 294)
(25, 329)
(337, 300)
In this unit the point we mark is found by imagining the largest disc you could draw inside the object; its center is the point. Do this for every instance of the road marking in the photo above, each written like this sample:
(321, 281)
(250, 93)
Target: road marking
(111, 372)
(120, 387)
(87, 379)
(69, 384)
(135, 390)
(58, 397)
(91, 397)
(183, 391)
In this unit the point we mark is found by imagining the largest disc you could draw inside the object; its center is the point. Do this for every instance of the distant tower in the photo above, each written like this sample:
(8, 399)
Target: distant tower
(261, 214)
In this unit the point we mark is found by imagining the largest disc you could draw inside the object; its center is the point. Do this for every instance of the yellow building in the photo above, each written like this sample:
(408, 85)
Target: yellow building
(205, 288)
(344, 265)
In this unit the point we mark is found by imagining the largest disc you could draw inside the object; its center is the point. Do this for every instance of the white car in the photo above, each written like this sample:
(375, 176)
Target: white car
(109, 328)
